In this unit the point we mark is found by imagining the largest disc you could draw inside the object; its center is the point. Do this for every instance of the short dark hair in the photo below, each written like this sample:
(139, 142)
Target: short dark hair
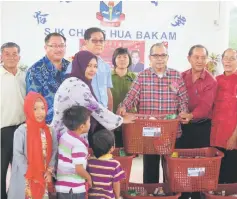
(102, 142)
(121, 51)
(158, 45)
(135, 51)
(10, 45)
(75, 116)
(54, 34)
(223, 54)
(90, 31)
(190, 52)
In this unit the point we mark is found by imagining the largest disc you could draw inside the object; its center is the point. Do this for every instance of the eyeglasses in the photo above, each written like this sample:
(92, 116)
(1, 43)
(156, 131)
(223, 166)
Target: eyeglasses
(157, 56)
(55, 46)
(229, 59)
(96, 41)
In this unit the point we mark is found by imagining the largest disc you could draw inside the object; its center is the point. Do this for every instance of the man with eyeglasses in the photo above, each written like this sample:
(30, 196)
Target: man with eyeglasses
(201, 86)
(102, 82)
(224, 120)
(156, 90)
(13, 91)
(47, 74)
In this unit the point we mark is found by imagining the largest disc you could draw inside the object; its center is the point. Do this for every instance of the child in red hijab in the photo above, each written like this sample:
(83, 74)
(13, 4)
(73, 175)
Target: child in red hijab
(34, 153)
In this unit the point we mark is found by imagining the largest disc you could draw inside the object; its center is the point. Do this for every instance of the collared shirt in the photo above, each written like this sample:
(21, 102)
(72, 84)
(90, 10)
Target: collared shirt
(104, 172)
(44, 78)
(101, 82)
(224, 117)
(121, 86)
(13, 91)
(72, 151)
(158, 95)
(201, 94)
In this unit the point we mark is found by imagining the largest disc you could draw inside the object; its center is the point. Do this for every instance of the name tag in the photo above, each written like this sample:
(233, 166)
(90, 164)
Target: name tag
(196, 171)
(151, 131)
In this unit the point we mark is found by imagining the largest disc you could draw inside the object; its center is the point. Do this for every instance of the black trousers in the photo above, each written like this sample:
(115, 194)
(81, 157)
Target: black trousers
(194, 135)
(7, 135)
(71, 195)
(151, 165)
(118, 137)
(228, 173)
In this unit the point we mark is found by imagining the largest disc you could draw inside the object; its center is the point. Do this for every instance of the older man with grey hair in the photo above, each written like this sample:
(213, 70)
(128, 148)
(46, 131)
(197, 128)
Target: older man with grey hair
(13, 91)
(156, 90)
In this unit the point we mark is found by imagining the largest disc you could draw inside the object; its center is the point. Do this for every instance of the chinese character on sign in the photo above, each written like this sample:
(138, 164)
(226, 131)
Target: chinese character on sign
(41, 18)
(155, 3)
(179, 20)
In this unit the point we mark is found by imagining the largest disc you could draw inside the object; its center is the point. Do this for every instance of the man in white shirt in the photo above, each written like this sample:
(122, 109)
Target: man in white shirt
(13, 91)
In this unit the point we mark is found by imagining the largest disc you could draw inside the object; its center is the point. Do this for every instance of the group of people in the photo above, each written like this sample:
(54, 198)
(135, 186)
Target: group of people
(55, 110)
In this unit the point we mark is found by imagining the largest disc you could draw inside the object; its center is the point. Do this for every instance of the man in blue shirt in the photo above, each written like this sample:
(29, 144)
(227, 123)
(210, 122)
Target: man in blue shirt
(47, 74)
(102, 82)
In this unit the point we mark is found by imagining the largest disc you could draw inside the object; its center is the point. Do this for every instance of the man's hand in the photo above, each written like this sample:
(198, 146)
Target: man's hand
(121, 111)
(185, 117)
(232, 142)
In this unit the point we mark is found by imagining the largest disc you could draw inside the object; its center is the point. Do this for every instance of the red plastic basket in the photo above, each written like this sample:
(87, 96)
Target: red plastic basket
(228, 188)
(126, 164)
(138, 140)
(150, 188)
(193, 174)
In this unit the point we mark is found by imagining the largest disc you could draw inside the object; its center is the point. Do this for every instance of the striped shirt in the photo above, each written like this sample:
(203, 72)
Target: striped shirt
(104, 172)
(72, 151)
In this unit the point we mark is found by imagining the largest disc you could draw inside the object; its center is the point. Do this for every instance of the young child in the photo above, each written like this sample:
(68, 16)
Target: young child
(34, 153)
(105, 171)
(73, 153)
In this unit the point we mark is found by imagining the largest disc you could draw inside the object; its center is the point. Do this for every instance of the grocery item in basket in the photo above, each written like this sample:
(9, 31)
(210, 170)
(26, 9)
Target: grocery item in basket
(199, 157)
(122, 153)
(223, 192)
(218, 193)
(132, 192)
(170, 117)
(175, 155)
(136, 193)
(233, 195)
(191, 157)
(152, 118)
(160, 192)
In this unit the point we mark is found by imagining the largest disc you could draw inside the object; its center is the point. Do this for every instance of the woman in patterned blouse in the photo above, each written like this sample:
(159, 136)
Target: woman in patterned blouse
(77, 90)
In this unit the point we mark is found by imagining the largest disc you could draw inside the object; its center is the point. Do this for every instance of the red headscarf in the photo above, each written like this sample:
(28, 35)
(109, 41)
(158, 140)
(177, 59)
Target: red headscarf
(36, 168)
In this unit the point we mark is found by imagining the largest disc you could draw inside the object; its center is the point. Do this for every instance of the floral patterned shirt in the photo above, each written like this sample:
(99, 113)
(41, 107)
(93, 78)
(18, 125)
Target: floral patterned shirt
(74, 91)
(45, 79)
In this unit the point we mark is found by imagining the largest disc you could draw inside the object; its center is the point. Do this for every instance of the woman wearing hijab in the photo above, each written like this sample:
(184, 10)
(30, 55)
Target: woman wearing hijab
(34, 153)
(77, 90)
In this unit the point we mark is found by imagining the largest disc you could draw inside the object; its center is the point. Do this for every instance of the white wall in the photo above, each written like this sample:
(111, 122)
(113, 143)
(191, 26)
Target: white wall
(19, 25)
